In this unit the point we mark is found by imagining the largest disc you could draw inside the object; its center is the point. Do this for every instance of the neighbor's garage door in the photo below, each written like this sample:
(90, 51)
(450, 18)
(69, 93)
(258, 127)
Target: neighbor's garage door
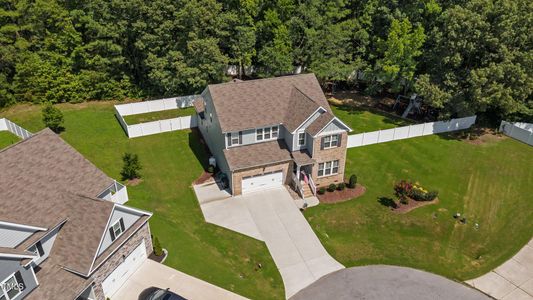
(131, 263)
(263, 181)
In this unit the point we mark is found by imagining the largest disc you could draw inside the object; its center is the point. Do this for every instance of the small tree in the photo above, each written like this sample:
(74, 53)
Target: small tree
(158, 250)
(131, 167)
(53, 117)
(353, 181)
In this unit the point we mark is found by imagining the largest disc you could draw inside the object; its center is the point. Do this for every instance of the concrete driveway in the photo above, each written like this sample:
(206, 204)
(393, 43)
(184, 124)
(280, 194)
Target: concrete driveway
(387, 282)
(272, 216)
(153, 274)
(511, 281)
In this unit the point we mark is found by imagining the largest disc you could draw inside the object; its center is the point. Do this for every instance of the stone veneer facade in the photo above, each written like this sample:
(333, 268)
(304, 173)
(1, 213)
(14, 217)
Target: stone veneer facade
(238, 175)
(116, 258)
(338, 153)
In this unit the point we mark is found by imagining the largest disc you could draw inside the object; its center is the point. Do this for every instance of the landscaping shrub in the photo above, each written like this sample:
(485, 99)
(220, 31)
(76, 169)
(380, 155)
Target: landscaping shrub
(405, 189)
(131, 167)
(353, 181)
(402, 190)
(158, 250)
(341, 186)
(322, 190)
(430, 196)
(53, 117)
(211, 169)
(331, 187)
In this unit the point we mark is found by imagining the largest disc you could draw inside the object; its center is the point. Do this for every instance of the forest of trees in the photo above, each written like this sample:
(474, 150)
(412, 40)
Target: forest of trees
(462, 56)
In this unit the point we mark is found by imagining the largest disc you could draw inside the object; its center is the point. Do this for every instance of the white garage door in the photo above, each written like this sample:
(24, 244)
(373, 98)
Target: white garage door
(263, 181)
(131, 263)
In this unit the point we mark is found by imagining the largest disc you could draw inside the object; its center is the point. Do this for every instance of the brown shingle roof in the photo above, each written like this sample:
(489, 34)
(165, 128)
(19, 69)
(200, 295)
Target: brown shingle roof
(300, 109)
(259, 154)
(199, 105)
(263, 102)
(319, 123)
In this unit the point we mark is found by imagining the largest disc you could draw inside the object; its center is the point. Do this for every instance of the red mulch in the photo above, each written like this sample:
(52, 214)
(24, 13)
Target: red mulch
(405, 208)
(205, 177)
(134, 182)
(341, 196)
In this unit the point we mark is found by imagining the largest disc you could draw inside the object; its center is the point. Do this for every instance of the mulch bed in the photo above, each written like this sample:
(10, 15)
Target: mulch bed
(156, 258)
(205, 177)
(342, 196)
(413, 204)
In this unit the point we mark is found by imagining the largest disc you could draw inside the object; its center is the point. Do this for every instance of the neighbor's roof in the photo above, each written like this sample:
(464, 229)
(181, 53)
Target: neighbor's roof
(263, 102)
(46, 183)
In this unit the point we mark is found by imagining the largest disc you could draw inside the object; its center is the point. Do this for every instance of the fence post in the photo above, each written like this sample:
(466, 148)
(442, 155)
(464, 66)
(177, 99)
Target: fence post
(409, 131)
(379, 136)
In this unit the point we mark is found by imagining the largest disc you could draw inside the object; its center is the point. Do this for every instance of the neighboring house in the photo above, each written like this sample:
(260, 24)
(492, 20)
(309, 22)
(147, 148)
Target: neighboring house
(63, 232)
(270, 132)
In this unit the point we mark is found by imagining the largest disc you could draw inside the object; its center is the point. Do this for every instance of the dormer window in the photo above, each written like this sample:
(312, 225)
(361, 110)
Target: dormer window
(301, 139)
(117, 229)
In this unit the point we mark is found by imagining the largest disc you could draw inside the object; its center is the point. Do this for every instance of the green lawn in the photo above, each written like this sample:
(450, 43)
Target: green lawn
(490, 184)
(159, 115)
(7, 139)
(170, 163)
(365, 121)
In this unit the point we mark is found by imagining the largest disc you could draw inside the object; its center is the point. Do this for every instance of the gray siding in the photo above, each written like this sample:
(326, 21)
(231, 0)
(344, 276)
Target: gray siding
(332, 127)
(212, 134)
(308, 139)
(47, 242)
(249, 137)
(295, 145)
(9, 266)
(288, 137)
(129, 219)
(12, 236)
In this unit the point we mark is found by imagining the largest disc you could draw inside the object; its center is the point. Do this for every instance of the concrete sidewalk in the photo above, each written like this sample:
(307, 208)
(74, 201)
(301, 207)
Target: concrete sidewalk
(511, 281)
(153, 274)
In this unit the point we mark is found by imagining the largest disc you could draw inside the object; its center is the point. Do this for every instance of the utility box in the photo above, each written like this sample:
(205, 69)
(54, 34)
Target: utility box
(212, 161)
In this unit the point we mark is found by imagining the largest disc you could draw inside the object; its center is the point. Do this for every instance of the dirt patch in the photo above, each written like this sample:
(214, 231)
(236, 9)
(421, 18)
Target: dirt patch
(342, 196)
(205, 177)
(413, 204)
(134, 182)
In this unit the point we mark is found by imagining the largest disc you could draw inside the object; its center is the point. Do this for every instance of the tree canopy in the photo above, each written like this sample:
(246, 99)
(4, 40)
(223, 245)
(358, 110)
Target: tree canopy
(462, 56)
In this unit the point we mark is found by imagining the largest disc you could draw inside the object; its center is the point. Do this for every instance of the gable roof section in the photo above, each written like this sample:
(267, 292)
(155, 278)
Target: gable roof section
(299, 110)
(319, 123)
(264, 102)
(258, 154)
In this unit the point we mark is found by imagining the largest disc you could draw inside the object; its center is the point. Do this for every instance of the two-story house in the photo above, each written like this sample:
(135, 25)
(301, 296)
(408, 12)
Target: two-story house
(271, 132)
(64, 231)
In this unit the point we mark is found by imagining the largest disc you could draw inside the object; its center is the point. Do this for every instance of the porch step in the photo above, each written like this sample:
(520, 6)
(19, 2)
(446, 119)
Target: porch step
(307, 190)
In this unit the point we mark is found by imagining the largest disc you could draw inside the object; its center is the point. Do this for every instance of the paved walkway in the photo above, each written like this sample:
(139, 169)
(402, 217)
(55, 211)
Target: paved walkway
(272, 216)
(511, 281)
(153, 274)
(387, 282)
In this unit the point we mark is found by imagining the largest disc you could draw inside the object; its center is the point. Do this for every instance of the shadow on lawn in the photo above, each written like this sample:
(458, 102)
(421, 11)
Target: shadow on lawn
(199, 148)
(387, 118)
(387, 202)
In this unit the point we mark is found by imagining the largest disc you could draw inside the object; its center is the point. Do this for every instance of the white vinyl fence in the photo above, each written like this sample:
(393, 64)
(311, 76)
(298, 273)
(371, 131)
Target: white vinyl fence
(405, 132)
(6, 125)
(154, 127)
(519, 131)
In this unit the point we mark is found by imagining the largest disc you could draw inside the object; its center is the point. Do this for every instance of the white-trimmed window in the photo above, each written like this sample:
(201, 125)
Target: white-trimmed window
(235, 138)
(117, 229)
(266, 133)
(11, 287)
(328, 168)
(301, 138)
(331, 141)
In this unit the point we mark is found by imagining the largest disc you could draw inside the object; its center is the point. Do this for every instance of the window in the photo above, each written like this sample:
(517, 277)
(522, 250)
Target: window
(301, 139)
(235, 138)
(117, 229)
(267, 133)
(328, 168)
(37, 249)
(11, 287)
(330, 141)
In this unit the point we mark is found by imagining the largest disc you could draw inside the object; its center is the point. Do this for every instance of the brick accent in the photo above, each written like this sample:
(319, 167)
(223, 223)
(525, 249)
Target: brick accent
(286, 167)
(328, 155)
(116, 259)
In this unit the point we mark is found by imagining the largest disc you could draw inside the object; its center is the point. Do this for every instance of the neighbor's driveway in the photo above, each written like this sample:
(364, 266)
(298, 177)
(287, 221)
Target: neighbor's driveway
(511, 281)
(153, 274)
(273, 216)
